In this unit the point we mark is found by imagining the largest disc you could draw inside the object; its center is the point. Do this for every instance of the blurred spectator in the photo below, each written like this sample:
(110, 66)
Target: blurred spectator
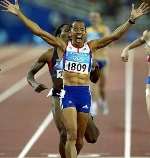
(98, 30)
(112, 7)
(50, 16)
(3, 37)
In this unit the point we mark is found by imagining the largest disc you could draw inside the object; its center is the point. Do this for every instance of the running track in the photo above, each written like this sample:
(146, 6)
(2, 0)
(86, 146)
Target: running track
(22, 113)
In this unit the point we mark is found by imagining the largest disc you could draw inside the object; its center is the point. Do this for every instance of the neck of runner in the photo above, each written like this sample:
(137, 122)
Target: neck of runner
(77, 45)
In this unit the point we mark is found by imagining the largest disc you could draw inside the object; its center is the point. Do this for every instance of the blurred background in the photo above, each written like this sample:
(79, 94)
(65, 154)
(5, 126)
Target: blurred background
(51, 13)
(22, 110)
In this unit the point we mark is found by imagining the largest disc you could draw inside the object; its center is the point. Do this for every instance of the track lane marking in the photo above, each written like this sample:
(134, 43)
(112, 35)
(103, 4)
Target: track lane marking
(19, 85)
(21, 59)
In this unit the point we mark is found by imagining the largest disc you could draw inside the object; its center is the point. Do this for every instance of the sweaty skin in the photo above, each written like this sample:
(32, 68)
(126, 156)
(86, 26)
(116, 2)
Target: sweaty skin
(78, 34)
(76, 122)
(92, 132)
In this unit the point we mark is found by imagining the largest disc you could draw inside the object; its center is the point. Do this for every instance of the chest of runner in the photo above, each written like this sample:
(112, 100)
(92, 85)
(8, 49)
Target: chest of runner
(77, 60)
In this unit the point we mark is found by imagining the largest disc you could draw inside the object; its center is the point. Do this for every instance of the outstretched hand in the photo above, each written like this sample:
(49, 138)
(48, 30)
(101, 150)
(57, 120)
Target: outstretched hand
(9, 7)
(144, 8)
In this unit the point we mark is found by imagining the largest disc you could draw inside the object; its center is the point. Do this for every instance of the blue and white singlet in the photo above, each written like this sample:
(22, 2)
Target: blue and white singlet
(77, 60)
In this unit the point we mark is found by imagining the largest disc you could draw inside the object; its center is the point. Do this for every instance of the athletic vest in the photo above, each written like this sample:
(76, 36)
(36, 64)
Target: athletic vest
(77, 60)
(55, 66)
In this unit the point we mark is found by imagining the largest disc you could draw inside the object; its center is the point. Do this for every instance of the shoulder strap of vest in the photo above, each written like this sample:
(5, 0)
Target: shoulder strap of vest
(54, 57)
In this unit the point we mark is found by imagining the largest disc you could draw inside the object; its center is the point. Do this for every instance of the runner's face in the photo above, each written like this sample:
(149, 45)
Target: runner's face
(65, 33)
(78, 33)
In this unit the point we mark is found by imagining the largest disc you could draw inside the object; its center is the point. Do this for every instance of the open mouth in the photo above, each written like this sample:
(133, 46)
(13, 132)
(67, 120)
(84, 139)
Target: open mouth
(79, 38)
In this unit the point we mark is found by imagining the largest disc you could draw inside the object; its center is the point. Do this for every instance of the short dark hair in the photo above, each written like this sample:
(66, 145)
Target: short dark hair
(77, 20)
(59, 29)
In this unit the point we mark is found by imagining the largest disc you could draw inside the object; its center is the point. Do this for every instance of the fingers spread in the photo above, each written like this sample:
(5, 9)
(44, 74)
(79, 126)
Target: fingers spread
(146, 10)
(2, 5)
(145, 6)
(7, 1)
(142, 5)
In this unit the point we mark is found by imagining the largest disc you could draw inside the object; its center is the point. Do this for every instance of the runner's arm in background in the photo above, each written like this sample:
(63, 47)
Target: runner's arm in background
(38, 65)
(125, 53)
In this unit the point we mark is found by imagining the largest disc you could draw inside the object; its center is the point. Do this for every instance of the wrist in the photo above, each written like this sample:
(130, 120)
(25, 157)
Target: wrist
(125, 51)
(17, 10)
(131, 21)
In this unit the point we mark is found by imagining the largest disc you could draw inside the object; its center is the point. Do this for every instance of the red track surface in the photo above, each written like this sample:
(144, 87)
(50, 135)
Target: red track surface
(22, 113)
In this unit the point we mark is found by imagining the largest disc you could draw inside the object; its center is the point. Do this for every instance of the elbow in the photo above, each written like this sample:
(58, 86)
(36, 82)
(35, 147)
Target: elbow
(36, 32)
(116, 37)
(28, 78)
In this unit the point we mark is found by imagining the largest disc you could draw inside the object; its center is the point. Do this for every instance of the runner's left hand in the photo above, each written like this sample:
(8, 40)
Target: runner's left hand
(144, 8)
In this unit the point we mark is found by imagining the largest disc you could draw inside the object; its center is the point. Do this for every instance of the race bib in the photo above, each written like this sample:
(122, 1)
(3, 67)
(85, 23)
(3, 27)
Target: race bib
(76, 67)
(77, 62)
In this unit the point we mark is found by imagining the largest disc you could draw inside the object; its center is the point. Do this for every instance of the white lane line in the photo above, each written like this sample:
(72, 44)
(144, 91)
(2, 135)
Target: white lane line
(36, 135)
(11, 91)
(86, 157)
(21, 59)
(128, 105)
(90, 155)
(17, 87)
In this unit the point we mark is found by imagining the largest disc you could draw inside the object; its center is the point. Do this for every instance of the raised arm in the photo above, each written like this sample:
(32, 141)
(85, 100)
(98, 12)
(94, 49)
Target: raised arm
(135, 14)
(125, 53)
(35, 28)
(39, 64)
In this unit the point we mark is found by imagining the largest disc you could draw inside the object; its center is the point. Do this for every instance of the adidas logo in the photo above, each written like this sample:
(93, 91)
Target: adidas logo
(70, 102)
(85, 107)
